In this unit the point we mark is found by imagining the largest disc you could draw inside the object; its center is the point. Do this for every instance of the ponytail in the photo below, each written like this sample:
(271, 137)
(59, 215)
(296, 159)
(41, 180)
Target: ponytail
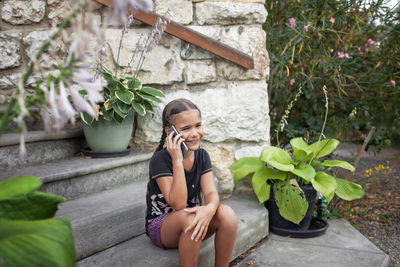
(162, 141)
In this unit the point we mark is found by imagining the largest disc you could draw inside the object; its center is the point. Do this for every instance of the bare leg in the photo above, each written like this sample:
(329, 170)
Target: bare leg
(173, 236)
(224, 225)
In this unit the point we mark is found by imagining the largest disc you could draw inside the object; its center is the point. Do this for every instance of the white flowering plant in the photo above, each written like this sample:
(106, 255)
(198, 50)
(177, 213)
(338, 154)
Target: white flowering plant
(76, 88)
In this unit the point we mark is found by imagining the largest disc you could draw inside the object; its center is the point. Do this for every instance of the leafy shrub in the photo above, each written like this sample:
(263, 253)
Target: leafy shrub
(351, 47)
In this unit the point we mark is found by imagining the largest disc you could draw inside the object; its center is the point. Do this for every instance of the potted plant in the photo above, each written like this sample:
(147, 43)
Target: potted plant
(110, 130)
(125, 97)
(285, 177)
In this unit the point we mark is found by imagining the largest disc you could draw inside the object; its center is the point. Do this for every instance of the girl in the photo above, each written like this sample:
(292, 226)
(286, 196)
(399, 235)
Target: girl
(174, 217)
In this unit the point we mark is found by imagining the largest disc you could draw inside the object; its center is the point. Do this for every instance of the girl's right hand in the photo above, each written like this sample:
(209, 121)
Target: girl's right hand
(174, 146)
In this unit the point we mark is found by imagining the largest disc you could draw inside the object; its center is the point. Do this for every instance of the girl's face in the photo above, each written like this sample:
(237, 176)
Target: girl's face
(188, 123)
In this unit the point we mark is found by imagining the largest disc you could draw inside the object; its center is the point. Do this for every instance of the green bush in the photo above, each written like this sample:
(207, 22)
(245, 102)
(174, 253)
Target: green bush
(349, 46)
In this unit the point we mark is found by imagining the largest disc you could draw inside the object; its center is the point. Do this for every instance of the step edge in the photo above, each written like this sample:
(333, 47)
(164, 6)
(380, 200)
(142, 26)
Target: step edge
(10, 139)
(132, 158)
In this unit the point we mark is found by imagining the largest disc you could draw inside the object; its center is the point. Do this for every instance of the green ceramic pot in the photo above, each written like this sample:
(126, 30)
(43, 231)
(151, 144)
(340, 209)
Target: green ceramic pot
(109, 136)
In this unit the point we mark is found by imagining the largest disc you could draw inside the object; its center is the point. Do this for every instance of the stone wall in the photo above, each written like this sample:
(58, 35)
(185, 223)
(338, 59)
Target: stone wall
(233, 101)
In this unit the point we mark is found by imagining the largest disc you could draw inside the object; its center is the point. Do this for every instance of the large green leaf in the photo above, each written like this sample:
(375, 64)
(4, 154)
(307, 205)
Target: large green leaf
(243, 167)
(305, 171)
(134, 83)
(86, 118)
(32, 206)
(323, 148)
(325, 184)
(260, 187)
(338, 163)
(152, 91)
(18, 185)
(300, 149)
(139, 108)
(291, 201)
(348, 190)
(277, 158)
(37, 243)
(126, 96)
(149, 98)
(107, 114)
(117, 117)
(119, 111)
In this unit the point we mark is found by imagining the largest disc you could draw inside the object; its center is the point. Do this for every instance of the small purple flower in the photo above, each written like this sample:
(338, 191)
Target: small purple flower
(292, 81)
(305, 28)
(393, 83)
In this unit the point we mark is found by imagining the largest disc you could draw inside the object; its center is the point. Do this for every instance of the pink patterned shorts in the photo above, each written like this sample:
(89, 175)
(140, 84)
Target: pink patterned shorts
(154, 229)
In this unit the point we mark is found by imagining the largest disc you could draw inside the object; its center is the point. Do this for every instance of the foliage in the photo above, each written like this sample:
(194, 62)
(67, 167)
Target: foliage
(289, 170)
(29, 235)
(122, 95)
(353, 48)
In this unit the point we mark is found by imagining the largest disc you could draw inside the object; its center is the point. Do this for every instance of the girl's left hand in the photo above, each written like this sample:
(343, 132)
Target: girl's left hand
(200, 223)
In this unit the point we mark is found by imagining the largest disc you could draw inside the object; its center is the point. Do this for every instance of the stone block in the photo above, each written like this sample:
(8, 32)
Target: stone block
(21, 12)
(221, 158)
(236, 111)
(162, 65)
(9, 50)
(228, 13)
(58, 10)
(182, 10)
(251, 41)
(203, 71)
(49, 59)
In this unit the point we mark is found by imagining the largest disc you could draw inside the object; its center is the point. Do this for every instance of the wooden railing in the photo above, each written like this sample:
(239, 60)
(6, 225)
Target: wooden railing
(193, 37)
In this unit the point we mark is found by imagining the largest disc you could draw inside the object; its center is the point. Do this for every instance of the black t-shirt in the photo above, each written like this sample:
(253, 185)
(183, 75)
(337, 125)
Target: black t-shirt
(160, 166)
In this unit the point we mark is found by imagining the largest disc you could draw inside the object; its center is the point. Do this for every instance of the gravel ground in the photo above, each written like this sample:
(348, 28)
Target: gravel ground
(377, 215)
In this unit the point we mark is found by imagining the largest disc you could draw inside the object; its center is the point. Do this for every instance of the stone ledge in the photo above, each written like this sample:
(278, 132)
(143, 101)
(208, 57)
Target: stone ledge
(9, 139)
(139, 251)
(105, 219)
(75, 166)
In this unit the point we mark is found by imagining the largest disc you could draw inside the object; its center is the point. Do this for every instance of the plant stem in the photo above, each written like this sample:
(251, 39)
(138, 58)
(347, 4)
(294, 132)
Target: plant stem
(119, 50)
(5, 118)
(323, 125)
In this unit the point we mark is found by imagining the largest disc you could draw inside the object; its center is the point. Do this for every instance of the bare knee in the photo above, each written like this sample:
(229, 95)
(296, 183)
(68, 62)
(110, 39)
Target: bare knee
(226, 217)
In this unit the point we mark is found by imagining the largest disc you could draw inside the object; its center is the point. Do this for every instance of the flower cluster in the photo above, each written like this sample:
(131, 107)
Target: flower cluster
(378, 169)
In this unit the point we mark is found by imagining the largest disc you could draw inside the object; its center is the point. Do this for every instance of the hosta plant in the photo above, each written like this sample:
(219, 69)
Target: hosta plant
(287, 171)
(121, 95)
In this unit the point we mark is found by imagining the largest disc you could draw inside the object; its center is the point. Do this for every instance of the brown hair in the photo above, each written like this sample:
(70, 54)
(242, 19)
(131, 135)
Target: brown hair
(170, 110)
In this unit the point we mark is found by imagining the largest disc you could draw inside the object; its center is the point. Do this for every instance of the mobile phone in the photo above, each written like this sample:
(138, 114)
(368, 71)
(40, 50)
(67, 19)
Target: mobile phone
(184, 147)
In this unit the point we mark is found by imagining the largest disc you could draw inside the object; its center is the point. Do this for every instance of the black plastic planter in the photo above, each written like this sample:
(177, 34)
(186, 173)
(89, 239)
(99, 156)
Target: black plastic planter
(281, 226)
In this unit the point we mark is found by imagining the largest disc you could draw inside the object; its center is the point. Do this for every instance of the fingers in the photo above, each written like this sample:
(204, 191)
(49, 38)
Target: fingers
(199, 232)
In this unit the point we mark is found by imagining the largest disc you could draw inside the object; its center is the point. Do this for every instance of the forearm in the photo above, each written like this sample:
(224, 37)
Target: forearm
(178, 191)
(212, 201)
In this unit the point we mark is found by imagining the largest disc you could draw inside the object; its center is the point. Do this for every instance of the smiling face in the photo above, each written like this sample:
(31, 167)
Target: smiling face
(188, 123)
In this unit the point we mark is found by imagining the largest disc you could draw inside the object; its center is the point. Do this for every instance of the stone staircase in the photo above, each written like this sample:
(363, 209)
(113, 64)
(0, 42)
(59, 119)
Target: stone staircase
(106, 200)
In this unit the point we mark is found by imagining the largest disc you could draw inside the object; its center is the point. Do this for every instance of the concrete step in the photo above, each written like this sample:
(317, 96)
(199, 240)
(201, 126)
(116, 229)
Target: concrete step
(78, 176)
(139, 251)
(40, 147)
(102, 220)
(341, 245)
